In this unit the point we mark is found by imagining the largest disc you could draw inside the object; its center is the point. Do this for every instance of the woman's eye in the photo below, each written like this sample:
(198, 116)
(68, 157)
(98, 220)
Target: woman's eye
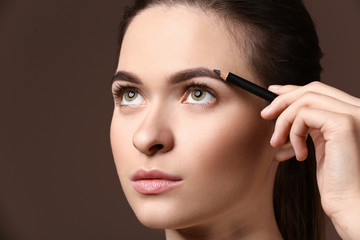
(131, 97)
(199, 96)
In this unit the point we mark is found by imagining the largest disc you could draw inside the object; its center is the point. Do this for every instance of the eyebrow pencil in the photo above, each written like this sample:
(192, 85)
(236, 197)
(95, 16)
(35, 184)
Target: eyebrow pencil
(247, 85)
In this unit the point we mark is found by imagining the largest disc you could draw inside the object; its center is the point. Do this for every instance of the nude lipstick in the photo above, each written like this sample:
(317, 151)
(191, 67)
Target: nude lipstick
(154, 182)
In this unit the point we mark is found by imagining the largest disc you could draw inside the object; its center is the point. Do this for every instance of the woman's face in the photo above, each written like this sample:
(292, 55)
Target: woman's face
(174, 115)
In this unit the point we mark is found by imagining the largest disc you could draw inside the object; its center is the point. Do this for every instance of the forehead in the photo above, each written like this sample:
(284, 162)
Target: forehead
(174, 38)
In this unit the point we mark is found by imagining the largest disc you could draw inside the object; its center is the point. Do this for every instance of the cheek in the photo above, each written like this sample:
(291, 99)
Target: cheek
(225, 162)
(121, 145)
(226, 134)
(228, 152)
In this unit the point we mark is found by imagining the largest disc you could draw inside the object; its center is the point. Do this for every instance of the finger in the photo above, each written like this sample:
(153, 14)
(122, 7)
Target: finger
(312, 99)
(317, 87)
(283, 154)
(298, 134)
(287, 117)
(281, 89)
(332, 126)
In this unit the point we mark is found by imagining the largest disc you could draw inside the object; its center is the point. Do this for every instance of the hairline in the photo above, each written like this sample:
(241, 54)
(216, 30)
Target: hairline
(239, 31)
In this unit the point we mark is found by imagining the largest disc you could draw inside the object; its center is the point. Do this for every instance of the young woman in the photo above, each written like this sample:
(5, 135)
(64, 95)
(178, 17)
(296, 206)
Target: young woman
(192, 151)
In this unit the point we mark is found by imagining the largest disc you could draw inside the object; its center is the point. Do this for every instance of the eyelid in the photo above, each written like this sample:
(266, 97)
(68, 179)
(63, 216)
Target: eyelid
(119, 89)
(196, 85)
(192, 85)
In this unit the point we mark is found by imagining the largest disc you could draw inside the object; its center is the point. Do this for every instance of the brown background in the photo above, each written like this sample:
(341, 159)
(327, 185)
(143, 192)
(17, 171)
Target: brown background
(57, 176)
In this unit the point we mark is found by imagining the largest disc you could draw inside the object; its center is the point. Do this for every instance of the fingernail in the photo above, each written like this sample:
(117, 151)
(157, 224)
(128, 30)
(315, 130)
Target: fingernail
(272, 138)
(274, 87)
(265, 109)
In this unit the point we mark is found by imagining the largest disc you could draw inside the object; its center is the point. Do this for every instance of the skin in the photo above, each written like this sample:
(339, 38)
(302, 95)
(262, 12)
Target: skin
(332, 118)
(220, 147)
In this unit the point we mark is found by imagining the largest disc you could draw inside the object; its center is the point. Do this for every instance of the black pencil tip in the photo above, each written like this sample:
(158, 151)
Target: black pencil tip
(217, 72)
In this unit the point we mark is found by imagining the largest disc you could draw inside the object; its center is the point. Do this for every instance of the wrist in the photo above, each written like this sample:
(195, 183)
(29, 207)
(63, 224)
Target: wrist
(347, 221)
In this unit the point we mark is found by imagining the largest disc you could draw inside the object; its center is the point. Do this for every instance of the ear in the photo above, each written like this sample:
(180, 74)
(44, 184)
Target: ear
(285, 152)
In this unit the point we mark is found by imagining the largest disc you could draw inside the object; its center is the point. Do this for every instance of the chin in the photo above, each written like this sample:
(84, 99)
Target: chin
(161, 216)
(154, 223)
(158, 221)
(172, 222)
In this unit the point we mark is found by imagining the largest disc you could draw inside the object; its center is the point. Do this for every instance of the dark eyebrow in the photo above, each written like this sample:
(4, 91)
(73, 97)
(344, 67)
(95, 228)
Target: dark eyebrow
(194, 73)
(178, 77)
(125, 76)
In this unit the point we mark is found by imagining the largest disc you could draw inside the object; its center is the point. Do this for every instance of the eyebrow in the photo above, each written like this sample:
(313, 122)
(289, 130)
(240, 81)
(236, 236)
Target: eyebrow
(175, 78)
(125, 76)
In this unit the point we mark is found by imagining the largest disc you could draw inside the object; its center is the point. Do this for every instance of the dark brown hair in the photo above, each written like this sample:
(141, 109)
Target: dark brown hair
(281, 47)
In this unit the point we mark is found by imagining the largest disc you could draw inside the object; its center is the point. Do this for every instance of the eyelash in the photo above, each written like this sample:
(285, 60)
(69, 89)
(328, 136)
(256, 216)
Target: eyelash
(120, 90)
(201, 86)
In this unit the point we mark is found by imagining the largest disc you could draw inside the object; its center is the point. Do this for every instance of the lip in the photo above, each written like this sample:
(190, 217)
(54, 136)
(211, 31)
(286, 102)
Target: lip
(154, 182)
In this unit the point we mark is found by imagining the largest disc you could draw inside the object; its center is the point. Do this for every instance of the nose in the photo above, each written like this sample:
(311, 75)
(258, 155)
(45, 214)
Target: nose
(154, 135)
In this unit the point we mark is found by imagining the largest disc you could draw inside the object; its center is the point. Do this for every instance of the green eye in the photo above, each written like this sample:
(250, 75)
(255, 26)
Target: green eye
(132, 97)
(198, 94)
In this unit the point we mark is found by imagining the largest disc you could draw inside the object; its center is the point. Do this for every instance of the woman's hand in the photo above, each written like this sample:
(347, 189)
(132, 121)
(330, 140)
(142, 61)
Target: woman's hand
(332, 119)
